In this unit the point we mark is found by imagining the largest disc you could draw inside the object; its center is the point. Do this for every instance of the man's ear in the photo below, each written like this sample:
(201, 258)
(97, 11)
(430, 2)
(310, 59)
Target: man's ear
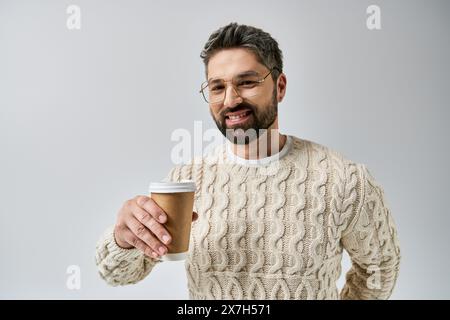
(281, 87)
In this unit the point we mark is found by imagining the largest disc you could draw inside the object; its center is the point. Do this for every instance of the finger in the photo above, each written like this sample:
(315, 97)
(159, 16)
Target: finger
(145, 235)
(149, 205)
(154, 226)
(134, 241)
(194, 216)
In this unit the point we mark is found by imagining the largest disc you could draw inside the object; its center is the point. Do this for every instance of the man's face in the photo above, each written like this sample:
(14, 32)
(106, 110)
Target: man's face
(260, 111)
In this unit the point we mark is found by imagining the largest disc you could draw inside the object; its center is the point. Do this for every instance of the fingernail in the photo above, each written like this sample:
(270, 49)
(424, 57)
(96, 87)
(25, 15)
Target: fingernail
(161, 218)
(165, 238)
(154, 254)
(162, 250)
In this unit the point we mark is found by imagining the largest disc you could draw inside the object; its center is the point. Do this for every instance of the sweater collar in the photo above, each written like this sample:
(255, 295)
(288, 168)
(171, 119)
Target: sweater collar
(262, 161)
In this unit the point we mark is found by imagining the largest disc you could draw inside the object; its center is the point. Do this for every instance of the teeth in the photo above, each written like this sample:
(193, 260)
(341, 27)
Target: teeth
(237, 117)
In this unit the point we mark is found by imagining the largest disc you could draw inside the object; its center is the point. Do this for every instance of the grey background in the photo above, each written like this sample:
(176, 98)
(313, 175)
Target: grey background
(86, 118)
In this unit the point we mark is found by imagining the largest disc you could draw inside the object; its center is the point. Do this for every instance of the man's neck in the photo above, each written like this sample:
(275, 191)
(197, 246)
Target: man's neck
(266, 145)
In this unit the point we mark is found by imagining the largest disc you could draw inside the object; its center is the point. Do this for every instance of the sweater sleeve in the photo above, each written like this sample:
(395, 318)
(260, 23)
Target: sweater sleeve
(119, 266)
(372, 243)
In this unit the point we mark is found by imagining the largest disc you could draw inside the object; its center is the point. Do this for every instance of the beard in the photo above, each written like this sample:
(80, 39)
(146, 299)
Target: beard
(260, 119)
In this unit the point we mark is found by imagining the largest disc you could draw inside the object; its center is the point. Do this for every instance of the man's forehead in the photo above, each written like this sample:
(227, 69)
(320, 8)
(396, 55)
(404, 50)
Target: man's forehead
(231, 62)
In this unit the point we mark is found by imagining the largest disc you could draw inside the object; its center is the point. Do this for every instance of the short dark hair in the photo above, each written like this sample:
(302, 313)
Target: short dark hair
(256, 40)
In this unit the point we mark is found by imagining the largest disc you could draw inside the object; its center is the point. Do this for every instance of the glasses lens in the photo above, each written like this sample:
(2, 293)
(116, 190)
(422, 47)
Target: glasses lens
(245, 86)
(215, 92)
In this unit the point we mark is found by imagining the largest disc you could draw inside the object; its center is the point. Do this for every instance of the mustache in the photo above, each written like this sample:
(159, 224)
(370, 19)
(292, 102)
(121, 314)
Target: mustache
(239, 107)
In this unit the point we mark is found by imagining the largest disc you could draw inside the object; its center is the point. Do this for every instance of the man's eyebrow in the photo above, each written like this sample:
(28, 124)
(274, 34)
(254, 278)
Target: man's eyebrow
(239, 75)
(215, 80)
(247, 73)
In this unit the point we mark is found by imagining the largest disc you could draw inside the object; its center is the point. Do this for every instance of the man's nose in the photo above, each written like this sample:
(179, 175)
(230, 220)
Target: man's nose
(232, 98)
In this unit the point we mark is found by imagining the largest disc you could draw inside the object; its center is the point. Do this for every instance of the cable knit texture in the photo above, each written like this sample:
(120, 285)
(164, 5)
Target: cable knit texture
(277, 230)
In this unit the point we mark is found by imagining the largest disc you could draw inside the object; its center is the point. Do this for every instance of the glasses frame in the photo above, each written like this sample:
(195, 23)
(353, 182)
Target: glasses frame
(206, 84)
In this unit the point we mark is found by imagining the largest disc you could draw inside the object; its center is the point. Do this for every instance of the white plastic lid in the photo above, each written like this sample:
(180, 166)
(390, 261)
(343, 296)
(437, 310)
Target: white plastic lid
(174, 256)
(170, 187)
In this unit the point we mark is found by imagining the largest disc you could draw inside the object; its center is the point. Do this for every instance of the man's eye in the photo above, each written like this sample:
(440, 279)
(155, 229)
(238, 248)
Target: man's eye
(216, 88)
(247, 83)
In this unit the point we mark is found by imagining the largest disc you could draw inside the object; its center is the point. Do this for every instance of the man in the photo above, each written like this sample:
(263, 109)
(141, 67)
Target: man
(273, 213)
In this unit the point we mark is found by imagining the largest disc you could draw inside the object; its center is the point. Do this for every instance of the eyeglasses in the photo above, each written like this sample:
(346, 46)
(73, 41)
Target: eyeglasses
(246, 85)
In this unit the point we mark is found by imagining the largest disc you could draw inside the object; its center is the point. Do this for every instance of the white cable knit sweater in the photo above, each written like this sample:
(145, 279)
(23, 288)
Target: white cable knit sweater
(276, 229)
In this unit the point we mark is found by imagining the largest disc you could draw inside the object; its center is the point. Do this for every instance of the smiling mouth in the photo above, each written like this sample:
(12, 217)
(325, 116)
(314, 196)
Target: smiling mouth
(238, 118)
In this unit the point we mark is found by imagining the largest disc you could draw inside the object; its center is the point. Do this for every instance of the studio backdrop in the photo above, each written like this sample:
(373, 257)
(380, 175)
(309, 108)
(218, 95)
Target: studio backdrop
(92, 91)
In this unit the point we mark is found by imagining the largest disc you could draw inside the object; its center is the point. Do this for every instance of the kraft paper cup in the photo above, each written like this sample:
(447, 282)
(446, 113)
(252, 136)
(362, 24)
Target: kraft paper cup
(177, 200)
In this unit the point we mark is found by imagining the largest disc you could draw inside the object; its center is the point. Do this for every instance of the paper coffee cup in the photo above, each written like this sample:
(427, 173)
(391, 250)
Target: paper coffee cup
(177, 200)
